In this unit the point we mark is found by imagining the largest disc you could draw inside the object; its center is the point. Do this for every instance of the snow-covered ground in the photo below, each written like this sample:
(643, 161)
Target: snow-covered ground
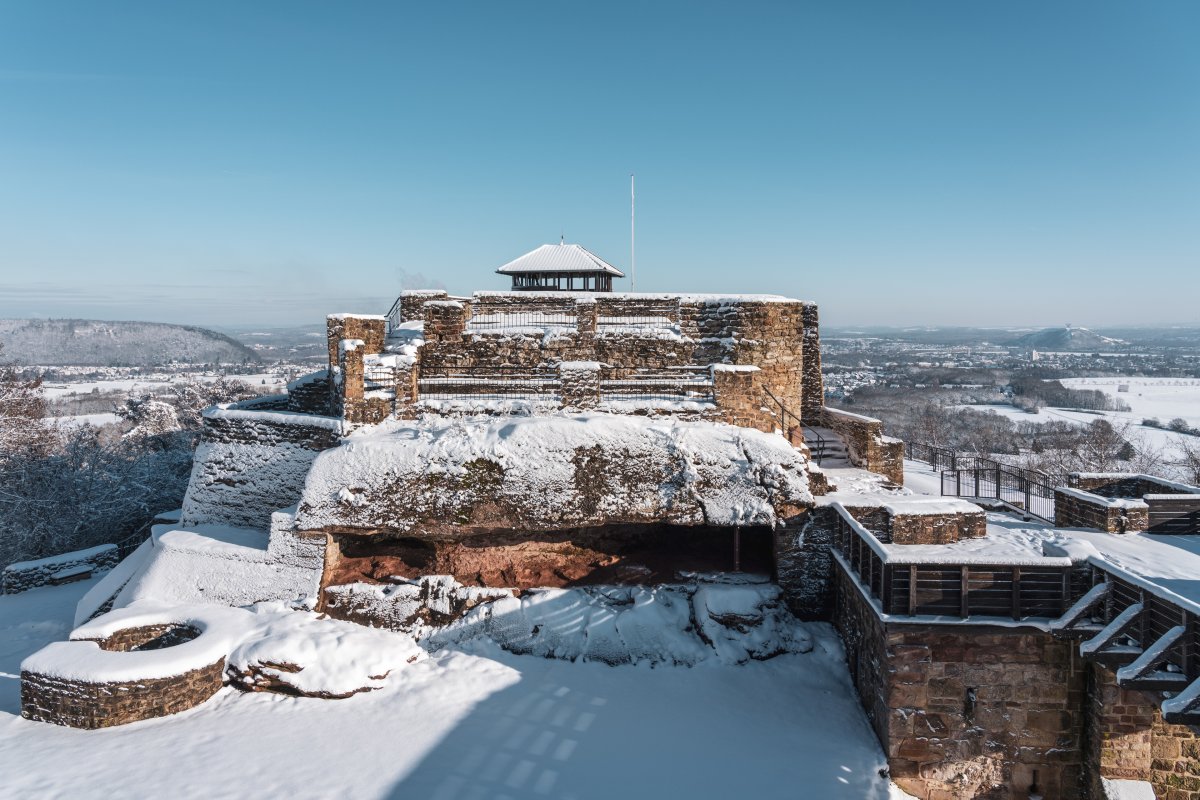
(467, 722)
(54, 389)
(1164, 398)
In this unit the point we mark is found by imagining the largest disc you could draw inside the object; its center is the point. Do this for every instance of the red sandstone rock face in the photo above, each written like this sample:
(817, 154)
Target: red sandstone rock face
(614, 554)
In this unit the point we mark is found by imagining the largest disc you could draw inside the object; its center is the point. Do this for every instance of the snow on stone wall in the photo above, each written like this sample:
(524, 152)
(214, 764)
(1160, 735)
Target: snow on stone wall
(213, 564)
(553, 472)
(24, 575)
(249, 464)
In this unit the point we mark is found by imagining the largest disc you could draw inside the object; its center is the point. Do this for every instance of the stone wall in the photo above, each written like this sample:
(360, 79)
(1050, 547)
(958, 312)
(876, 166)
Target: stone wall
(1075, 508)
(369, 328)
(936, 528)
(78, 704)
(739, 395)
(868, 447)
(579, 384)
(412, 303)
(1127, 739)
(1126, 484)
(77, 565)
(812, 401)
(249, 464)
(765, 334)
(803, 563)
(311, 394)
(968, 711)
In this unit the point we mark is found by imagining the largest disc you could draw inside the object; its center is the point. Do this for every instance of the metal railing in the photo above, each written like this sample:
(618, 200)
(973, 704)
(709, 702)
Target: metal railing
(684, 383)
(643, 314)
(1025, 490)
(505, 321)
(378, 377)
(937, 457)
(789, 420)
(906, 587)
(130, 543)
(1016, 488)
(527, 383)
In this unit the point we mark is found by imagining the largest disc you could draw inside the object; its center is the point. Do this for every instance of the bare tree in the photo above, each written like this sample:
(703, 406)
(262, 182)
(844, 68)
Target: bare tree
(1187, 459)
(23, 427)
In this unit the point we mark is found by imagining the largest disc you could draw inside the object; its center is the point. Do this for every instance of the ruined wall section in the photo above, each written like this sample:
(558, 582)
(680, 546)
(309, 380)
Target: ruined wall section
(868, 447)
(249, 464)
(661, 332)
(1128, 740)
(967, 711)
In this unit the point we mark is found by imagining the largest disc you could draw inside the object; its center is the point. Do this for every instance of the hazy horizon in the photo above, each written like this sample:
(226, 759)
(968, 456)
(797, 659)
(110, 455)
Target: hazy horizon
(948, 164)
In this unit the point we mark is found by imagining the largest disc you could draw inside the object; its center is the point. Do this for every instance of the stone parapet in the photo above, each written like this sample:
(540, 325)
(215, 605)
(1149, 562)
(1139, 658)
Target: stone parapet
(250, 463)
(311, 394)
(1075, 508)
(77, 565)
(412, 303)
(445, 321)
(867, 445)
(943, 522)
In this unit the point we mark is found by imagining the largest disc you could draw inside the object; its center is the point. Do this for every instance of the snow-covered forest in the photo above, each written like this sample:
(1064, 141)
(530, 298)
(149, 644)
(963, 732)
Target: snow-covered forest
(65, 487)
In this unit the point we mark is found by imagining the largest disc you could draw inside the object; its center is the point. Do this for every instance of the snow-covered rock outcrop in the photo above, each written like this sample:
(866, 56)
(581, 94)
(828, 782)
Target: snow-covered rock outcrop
(542, 473)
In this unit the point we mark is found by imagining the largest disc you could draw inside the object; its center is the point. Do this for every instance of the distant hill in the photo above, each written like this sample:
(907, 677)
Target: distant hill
(1068, 339)
(61, 342)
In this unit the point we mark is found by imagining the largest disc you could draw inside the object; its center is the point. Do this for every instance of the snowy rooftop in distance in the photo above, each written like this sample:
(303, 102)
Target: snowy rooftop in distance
(560, 257)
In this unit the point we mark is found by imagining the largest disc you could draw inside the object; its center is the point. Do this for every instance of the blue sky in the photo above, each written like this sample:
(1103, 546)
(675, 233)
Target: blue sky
(982, 163)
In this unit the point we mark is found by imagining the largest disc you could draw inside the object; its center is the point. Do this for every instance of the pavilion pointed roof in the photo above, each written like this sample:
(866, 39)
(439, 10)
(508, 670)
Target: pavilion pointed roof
(560, 257)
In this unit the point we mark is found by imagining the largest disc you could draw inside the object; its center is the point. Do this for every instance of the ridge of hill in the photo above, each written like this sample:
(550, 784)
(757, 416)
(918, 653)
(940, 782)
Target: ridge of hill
(85, 342)
(1068, 338)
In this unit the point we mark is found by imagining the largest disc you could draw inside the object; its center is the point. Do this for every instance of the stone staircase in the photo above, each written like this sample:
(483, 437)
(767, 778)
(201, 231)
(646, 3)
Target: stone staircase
(827, 447)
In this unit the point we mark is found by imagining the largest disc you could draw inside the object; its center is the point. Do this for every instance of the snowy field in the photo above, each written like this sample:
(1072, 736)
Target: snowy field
(1164, 398)
(56, 389)
(464, 723)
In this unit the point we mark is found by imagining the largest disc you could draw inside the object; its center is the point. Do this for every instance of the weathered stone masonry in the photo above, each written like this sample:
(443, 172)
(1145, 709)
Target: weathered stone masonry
(967, 711)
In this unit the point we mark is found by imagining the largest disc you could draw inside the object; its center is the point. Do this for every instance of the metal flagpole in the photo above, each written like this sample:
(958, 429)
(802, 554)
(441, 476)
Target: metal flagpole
(632, 235)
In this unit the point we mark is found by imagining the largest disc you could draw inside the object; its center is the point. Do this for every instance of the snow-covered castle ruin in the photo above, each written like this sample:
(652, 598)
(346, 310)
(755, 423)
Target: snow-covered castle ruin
(638, 463)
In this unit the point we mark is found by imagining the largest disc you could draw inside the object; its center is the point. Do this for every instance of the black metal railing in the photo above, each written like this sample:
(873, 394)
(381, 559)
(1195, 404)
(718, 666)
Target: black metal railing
(907, 587)
(644, 314)
(684, 383)
(1022, 490)
(505, 382)
(502, 320)
(378, 377)
(788, 420)
(130, 543)
(937, 457)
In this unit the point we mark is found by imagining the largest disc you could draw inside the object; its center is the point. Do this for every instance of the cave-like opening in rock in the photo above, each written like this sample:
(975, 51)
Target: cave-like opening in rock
(611, 554)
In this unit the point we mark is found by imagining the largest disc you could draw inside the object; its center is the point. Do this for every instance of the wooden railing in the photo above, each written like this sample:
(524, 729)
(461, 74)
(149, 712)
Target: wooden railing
(985, 587)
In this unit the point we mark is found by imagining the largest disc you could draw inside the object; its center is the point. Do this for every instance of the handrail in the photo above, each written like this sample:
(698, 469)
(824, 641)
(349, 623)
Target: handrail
(818, 452)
